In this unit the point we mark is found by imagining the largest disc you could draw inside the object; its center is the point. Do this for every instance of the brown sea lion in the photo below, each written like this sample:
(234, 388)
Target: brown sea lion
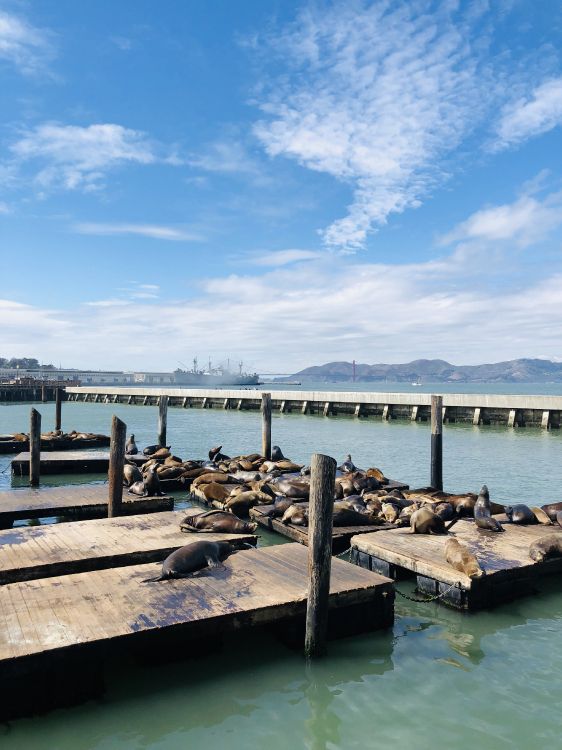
(193, 557)
(293, 488)
(131, 447)
(218, 521)
(546, 547)
(131, 474)
(278, 508)
(152, 487)
(459, 556)
(246, 500)
(137, 488)
(297, 515)
(444, 510)
(551, 509)
(277, 453)
(350, 517)
(541, 515)
(559, 518)
(214, 491)
(482, 513)
(389, 512)
(162, 452)
(377, 474)
(425, 521)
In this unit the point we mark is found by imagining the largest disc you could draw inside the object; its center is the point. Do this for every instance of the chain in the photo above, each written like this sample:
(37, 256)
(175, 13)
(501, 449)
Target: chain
(405, 596)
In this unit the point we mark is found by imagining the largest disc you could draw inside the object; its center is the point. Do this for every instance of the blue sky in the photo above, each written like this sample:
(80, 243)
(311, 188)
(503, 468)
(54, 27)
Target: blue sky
(287, 183)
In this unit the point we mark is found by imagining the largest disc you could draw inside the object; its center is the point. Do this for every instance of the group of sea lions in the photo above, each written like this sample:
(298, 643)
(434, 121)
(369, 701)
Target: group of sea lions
(57, 435)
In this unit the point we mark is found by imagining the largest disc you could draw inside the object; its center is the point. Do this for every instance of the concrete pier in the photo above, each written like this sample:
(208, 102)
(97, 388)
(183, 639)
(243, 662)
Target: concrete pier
(470, 408)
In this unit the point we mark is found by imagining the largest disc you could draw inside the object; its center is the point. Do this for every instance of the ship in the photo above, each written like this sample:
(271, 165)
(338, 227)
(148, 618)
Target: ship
(215, 376)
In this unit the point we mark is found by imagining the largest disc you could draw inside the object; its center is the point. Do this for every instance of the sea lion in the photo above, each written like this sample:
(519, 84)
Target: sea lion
(218, 521)
(293, 488)
(193, 557)
(277, 453)
(551, 509)
(546, 547)
(444, 510)
(459, 556)
(295, 514)
(150, 449)
(137, 488)
(214, 491)
(347, 466)
(216, 455)
(425, 521)
(131, 474)
(390, 512)
(350, 517)
(520, 513)
(541, 515)
(152, 487)
(278, 508)
(559, 518)
(131, 447)
(287, 467)
(482, 513)
(246, 500)
(161, 452)
(377, 474)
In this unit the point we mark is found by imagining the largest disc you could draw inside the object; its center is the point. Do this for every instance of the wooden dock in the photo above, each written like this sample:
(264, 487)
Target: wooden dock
(73, 462)
(59, 549)
(17, 446)
(57, 634)
(509, 571)
(73, 501)
(341, 535)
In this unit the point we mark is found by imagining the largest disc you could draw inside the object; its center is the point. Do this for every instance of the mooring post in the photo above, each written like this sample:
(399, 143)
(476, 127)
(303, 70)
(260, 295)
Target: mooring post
(58, 406)
(322, 485)
(437, 442)
(44, 393)
(162, 420)
(266, 425)
(34, 448)
(116, 463)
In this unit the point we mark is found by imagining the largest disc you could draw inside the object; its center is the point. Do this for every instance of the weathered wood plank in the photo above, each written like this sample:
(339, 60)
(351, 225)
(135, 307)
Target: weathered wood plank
(61, 549)
(71, 461)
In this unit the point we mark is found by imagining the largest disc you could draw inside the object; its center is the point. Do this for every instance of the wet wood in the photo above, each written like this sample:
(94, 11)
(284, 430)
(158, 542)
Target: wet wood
(34, 447)
(116, 463)
(58, 408)
(29, 552)
(321, 504)
(266, 425)
(77, 501)
(162, 420)
(504, 557)
(436, 480)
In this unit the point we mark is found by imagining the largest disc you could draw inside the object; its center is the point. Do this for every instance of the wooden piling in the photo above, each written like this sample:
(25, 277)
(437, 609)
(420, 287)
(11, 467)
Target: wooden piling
(116, 463)
(34, 447)
(266, 425)
(162, 420)
(322, 483)
(437, 442)
(58, 408)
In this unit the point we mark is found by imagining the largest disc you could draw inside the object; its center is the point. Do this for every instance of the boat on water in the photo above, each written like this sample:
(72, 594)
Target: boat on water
(215, 376)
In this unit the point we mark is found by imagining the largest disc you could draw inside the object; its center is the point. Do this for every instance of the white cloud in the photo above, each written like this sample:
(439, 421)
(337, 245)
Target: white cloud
(531, 116)
(284, 257)
(5, 208)
(26, 47)
(525, 221)
(332, 308)
(378, 97)
(75, 157)
(154, 231)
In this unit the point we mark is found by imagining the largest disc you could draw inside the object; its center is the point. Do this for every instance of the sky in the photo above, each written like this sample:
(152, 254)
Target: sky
(283, 183)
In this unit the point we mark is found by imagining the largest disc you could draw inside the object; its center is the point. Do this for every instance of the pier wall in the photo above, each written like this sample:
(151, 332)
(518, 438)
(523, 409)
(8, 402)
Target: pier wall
(470, 408)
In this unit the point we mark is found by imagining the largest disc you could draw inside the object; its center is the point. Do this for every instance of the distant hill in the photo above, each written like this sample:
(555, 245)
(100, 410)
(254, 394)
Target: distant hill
(437, 371)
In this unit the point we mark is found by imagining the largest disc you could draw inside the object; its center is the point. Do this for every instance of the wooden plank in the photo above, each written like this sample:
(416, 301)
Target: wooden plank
(61, 549)
(17, 446)
(58, 462)
(83, 500)
(501, 556)
(244, 592)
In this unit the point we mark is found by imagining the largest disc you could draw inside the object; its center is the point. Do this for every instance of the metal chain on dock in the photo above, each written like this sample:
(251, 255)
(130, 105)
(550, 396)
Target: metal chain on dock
(405, 596)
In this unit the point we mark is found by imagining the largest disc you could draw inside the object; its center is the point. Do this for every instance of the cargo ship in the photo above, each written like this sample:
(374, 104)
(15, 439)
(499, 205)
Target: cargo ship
(215, 376)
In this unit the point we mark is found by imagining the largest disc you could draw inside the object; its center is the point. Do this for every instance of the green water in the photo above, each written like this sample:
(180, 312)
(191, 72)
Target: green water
(439, 678)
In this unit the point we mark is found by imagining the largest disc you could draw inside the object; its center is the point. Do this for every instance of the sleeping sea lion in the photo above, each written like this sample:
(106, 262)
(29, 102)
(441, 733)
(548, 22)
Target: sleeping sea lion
(218, 521)
(546, 547)
(278, 508)
(482, 513)
(551, 509)
(459, 556)
(297, 515)
(246, 500)
(293, 488)
(444, 510)
(131, 447)
(425, 521)
(193, 557)
(350, 517)
(377, 474)
(541, 515)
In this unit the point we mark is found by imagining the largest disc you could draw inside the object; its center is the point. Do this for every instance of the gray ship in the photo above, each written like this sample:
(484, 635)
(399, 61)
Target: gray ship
(215, 376)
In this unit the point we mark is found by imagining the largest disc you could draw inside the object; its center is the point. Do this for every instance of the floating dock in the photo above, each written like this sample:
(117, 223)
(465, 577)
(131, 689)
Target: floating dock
(57, 634)
(471, 408)
(504, 557)
(60, 549)
(17, 446)
(72, 501)
(73, 462)
(341, 535)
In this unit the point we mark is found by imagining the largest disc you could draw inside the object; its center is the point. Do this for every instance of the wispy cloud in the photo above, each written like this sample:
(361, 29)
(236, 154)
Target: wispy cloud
(530, 116)
(525, 221)
(5, 209)
(277, 258)
(229, 157)
(378, 97)
(74, 157)
(26, 47)
(153, 231)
